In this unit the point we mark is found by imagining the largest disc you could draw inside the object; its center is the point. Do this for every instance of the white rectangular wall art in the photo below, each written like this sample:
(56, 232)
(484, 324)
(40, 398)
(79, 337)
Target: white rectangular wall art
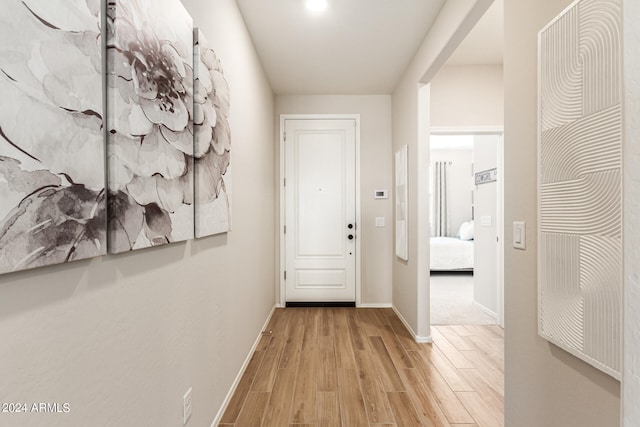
(52, 195)
(402, 218)
(150, 144)
(212, 141)
(580, 183)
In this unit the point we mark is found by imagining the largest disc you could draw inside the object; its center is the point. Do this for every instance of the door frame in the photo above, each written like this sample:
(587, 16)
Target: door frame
(489, 130)
(283, 247)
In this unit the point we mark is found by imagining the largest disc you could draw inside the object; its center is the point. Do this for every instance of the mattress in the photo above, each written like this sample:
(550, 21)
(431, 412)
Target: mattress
(450, 253)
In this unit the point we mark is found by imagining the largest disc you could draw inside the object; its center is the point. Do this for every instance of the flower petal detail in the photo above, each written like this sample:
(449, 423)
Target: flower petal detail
(126, 224)
(211, 168)
(70, 15)
(64, 142)
(157, 225)
(26, 182)
(148, 156)
(222, 96)
(169, 195)
(53, 225)
(182, 141)
(221, 136)
(174, 115)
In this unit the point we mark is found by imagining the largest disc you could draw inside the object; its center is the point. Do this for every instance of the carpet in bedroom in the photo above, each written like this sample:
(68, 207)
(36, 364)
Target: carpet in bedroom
(452, 301)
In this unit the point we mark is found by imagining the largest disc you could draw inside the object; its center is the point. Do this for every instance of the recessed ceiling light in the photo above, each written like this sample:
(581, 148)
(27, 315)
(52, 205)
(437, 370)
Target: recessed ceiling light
(316, 5)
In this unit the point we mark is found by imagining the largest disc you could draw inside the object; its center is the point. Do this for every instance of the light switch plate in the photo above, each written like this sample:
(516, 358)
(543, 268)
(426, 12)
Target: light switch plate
(379, 221)
(519, 235)
(486, 221)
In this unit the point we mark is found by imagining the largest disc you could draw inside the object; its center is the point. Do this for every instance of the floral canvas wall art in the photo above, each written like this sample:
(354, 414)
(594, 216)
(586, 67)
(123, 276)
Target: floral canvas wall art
(212, 142)
(150, 123)
(402, 219)
(52, 198)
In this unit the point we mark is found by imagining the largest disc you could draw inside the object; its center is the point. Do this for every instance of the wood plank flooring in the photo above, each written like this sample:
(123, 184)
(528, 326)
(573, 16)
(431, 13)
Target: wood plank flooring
(360, 367)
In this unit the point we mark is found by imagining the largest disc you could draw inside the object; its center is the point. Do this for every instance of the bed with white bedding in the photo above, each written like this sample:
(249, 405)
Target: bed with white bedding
(451, 253)
(454, 253)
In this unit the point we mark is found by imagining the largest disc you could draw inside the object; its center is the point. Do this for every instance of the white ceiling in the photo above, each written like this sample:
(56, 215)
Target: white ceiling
(355, 46)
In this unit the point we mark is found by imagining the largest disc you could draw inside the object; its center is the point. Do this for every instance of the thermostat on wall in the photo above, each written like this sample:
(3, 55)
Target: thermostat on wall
(381, 194)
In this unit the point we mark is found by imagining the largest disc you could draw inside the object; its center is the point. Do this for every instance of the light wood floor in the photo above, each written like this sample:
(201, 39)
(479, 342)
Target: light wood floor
(360, 367)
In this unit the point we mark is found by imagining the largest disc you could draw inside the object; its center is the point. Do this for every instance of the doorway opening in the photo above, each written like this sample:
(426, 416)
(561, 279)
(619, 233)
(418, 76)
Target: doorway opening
(466, 211)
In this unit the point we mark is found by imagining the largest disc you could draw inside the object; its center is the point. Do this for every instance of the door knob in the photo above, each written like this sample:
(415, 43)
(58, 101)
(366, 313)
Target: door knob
(350, 236)
(350, 226)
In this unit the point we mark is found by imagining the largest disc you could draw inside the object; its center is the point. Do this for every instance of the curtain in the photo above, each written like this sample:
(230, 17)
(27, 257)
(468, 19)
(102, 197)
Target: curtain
(440, 200)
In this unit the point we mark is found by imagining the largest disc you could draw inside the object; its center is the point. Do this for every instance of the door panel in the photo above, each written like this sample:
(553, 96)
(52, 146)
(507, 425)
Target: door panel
(320, 205)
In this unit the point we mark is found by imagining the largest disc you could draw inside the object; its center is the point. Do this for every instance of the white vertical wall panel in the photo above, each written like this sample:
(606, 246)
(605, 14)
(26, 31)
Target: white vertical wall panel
(631, 177)
(580, 183)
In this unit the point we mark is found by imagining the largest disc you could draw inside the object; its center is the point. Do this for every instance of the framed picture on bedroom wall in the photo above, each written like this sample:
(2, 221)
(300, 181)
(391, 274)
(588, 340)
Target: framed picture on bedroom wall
(402, 240)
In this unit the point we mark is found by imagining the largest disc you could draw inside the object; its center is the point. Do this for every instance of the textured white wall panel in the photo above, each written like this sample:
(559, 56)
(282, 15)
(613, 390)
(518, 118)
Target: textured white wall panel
(631, 383)
(580, 183)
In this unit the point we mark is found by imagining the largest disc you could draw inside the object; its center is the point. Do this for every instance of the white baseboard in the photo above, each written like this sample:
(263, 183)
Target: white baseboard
(485, 309)
(234, 386)
(419, 339)
(375, 305)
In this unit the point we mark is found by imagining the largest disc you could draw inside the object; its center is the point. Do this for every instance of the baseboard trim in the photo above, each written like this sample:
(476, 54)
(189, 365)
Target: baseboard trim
(376, 305)
(486, 310)
(417, 338)
(299, 304)
(235, 383)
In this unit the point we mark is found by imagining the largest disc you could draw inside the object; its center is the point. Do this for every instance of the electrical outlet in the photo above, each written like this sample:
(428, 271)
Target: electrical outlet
(186, 406)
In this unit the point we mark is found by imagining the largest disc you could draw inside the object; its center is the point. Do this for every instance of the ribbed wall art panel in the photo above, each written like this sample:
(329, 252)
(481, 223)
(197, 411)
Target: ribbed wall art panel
(580, 183)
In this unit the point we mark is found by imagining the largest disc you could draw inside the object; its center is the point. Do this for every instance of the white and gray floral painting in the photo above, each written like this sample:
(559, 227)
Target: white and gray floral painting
(150, 144)
(52, 198)
(212, 141)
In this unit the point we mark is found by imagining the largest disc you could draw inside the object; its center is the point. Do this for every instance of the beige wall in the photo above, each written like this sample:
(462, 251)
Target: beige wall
(467, 96)
(545, 386)
(121, 338)
(375, 173)
(410, 113)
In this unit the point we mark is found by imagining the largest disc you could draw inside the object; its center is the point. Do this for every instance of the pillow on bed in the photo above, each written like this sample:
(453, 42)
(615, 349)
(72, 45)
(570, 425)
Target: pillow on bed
(466, 231)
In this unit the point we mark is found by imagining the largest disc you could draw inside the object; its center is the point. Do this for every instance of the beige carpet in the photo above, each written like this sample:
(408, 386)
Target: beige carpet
(452, 301)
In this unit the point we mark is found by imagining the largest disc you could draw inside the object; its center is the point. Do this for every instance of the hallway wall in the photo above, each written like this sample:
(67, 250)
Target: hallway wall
(375, 173)
(410, 125)
(122, 338)
(545, 386)
(467, 96)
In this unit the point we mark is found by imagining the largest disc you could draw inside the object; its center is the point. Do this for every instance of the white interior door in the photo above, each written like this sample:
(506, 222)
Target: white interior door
(320, 210)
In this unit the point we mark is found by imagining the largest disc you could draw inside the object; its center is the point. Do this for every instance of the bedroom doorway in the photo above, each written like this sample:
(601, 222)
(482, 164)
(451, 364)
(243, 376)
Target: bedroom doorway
(466, 211)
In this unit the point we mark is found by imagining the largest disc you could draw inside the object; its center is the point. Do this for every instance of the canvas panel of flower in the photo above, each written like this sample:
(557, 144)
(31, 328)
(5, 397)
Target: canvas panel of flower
(212, 141)
(52, 198)
(150, 123)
